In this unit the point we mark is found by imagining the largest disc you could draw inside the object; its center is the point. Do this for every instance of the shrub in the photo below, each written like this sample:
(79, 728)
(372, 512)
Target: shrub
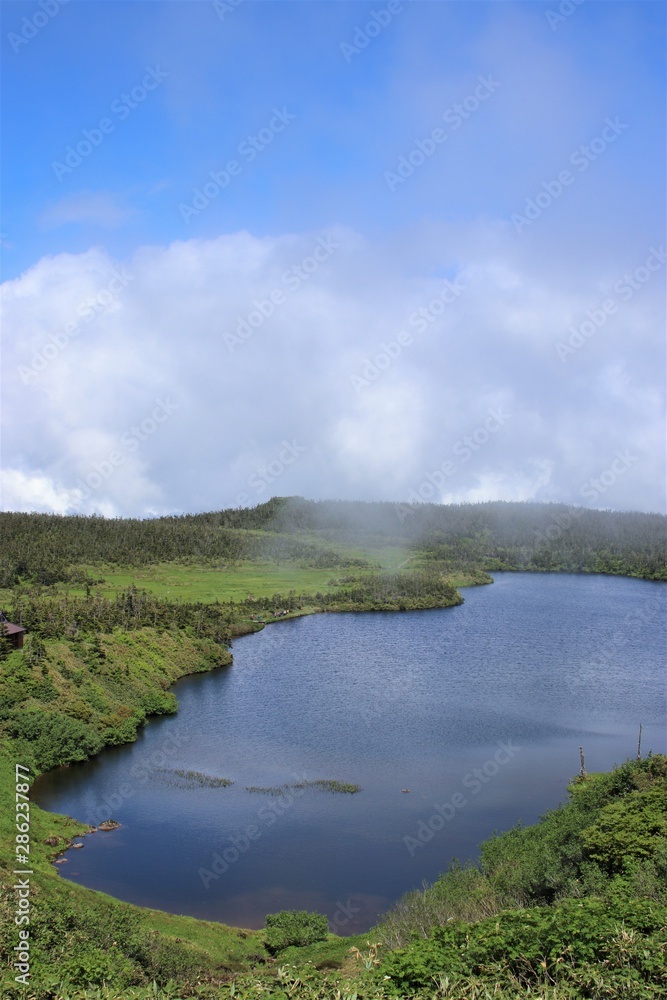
(158, 703)
(630, 827)
(294, 927)
(50, 739)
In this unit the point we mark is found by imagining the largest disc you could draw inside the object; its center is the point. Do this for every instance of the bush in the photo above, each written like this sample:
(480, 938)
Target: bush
(158, 703)
(49, 739)
(164, 959)
(633, 827)
(294, 927)
(92, 967)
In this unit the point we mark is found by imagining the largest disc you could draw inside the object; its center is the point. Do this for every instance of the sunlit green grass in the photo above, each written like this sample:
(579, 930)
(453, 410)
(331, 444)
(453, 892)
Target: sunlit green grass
(207, 584)
(177, 581)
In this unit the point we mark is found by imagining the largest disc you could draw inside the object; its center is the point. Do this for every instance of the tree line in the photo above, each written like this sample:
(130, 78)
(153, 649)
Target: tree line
(47, 548)
(43, 548)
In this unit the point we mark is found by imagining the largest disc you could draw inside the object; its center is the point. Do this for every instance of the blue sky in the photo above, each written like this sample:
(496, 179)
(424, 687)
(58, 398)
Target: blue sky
(339, 94)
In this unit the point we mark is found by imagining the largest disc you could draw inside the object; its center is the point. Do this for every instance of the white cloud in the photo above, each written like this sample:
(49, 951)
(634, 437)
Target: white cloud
(157, 394)
(504, 486)
(35, 492)
(87, 208)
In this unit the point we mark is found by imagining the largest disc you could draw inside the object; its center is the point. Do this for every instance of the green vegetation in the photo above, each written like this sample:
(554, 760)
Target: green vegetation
(302, 535)
(94, 690)
(577, 902)
(295, 928)
(419, 589)
(336, 787)
(589, 948)
(322, 784)
(50, 548)
(194, 779)
(116, 611)
(491, 536)
(180, 581)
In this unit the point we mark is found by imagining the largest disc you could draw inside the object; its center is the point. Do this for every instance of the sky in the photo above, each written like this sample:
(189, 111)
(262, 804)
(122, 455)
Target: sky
(408, 250)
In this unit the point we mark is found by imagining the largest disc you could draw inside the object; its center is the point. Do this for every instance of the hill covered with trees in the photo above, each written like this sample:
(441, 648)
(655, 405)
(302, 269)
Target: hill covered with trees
(43, 548)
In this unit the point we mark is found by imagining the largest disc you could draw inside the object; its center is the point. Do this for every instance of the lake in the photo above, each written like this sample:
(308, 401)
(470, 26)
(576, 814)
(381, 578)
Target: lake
(478, 711)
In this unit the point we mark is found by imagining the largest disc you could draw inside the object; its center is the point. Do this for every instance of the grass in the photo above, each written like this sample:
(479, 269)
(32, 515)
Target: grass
(321, 784)
(179, 581)
(192, 779)
(197, 583)
(333, 953)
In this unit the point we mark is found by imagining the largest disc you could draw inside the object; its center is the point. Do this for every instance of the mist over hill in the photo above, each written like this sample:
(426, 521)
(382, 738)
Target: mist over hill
(490, 536)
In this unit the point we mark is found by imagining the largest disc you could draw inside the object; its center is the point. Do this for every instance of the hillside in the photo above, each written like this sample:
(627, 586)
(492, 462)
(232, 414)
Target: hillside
(335, 534)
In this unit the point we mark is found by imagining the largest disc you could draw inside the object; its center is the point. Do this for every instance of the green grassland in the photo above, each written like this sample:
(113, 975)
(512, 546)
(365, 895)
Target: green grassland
(183, 581)
(209, 584)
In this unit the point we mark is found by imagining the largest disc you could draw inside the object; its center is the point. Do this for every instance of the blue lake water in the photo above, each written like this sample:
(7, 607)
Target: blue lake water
(477, 710)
